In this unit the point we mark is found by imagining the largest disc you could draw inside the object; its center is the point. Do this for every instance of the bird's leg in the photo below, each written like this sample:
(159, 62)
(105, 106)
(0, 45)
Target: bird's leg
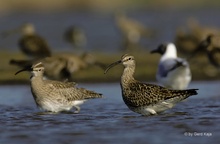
(151, 111)
(77, 109)
(46, 113)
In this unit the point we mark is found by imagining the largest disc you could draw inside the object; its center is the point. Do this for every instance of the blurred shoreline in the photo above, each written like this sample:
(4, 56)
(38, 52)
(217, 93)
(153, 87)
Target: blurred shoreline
(101, 5)
(52, 17)
(145, 69)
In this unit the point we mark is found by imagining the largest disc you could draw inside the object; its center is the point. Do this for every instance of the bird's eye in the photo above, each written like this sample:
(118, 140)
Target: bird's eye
(39, 69)
(129, 59)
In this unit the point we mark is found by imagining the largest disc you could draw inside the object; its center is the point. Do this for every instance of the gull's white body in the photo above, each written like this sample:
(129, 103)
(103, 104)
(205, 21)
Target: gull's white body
(178, 78)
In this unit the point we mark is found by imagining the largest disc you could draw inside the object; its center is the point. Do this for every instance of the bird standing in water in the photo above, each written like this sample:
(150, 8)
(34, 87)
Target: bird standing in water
(56, 96)
(144, 98)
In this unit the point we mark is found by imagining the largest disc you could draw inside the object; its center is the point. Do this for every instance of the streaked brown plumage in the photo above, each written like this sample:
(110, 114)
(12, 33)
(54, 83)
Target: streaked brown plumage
(146, 98)
(56, 96)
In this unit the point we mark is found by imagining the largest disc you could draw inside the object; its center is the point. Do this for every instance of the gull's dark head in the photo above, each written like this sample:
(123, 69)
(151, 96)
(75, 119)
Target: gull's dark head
(161, 49)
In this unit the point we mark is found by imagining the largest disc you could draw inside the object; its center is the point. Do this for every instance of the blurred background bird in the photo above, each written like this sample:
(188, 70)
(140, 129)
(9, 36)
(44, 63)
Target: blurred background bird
(188, 38)
(62, 66)
(30, 43)
(76, 36)
(132, 31)
(212, 47)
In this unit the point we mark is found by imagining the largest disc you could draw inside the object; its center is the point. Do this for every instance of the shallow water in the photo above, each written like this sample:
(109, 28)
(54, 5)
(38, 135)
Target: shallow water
(108, 120)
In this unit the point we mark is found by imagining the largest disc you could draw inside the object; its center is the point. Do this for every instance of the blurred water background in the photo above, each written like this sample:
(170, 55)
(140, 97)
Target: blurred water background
(97, 18)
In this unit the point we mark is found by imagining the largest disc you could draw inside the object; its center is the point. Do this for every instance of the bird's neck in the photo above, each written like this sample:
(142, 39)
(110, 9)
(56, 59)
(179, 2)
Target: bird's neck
(170, 53)
(35, 79)
(29, 31)
(37, 86)
(128, 75)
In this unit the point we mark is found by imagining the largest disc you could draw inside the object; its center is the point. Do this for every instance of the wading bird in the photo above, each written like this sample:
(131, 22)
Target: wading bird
(144, 98)
(56, 96)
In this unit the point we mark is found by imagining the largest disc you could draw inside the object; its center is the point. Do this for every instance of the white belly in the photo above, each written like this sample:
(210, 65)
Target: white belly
(178, 79)
(58, 107)
(78, 102)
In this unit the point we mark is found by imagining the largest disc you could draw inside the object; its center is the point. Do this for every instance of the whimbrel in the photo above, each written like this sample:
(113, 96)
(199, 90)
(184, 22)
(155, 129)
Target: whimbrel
(144, 98)
(76, 36)
(30, 43)
(56, 96)
(132, 30)
(173, 72)
(212, 47)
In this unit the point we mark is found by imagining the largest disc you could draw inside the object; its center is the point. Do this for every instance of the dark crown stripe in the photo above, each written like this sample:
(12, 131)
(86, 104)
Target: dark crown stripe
(38, 65)
(125, 55)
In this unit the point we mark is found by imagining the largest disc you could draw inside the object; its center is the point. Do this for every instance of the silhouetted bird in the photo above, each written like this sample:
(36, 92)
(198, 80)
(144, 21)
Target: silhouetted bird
(212, 47)
(76, 36)
(31, 44)
(187, 40)
(132, 30)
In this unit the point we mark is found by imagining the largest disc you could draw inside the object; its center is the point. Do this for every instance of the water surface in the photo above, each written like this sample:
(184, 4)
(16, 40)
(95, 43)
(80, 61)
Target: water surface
(108, 120)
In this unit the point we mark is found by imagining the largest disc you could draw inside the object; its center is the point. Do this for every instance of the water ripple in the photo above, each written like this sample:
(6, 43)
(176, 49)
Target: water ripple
(110, 121)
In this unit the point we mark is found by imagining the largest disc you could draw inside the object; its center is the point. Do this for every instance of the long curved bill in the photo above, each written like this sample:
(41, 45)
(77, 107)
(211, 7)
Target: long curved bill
(25, 69)
(112, 65)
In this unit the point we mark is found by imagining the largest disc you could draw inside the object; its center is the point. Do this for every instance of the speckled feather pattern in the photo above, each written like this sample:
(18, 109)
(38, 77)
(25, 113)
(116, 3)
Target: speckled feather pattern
(146, 98)
(138, 94)
(56, 96)
(61, 90)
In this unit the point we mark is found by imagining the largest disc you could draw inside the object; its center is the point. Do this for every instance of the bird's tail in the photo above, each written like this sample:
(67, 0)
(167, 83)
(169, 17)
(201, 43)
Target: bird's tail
(90, 94)
(191, 91)
(186, 93)
(179, 95)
